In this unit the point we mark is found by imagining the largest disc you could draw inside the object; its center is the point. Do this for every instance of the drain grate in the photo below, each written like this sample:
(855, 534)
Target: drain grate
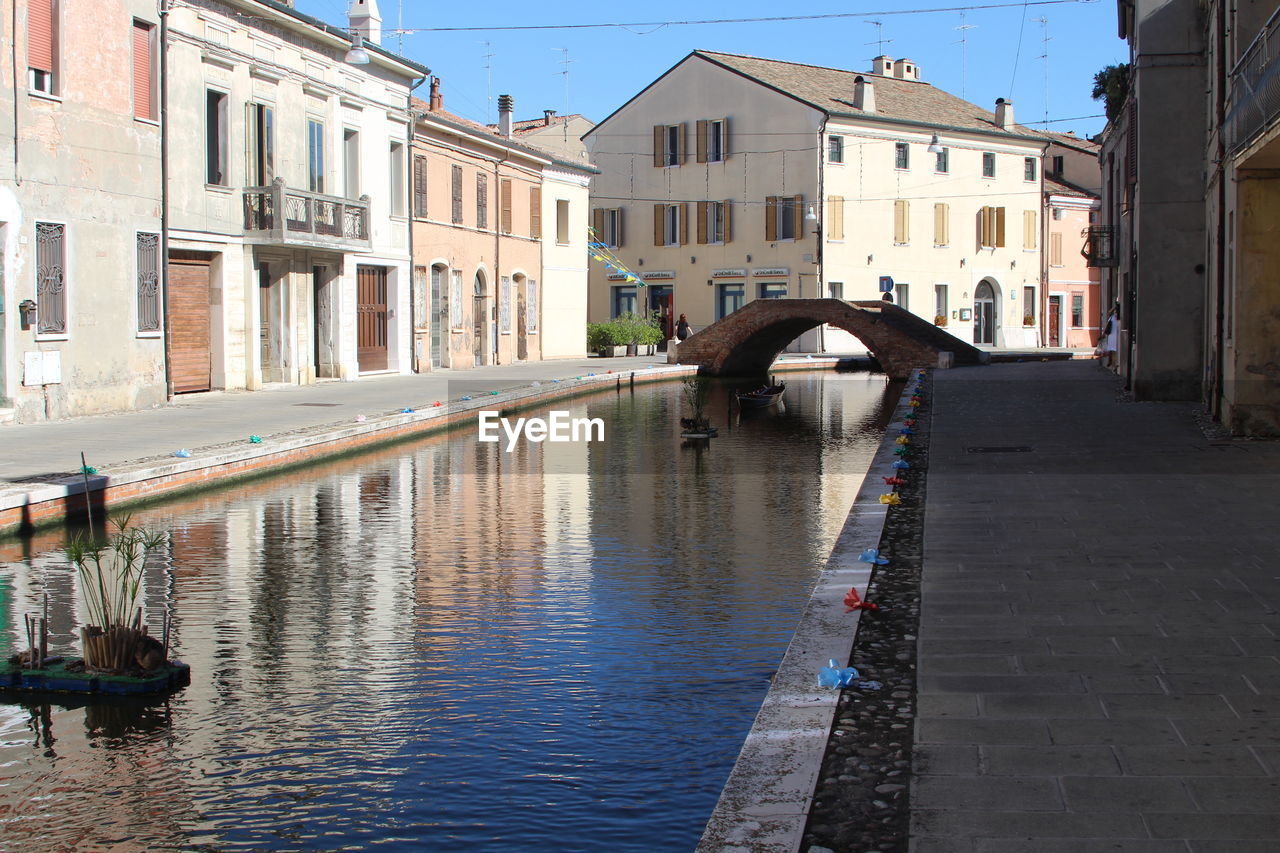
(320, 405)
(1021, 449)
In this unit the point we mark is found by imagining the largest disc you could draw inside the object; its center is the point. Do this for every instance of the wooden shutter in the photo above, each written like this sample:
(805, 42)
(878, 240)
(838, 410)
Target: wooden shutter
(504, 199)
(535, 212)
(999, 228)
(618, 239)
(597, 222)
(457, 195)
(724, 141)
(701, 144)
(659, 219)
(40, 35)
(940, 235)
(771, 219)
(900, 233)
(1131, 143)
(683, 213)
(482, 200)
(682, 143)
(659, 145)
(728, 220)
(797, 216)
(835, 217)
(419, 186)
(1055, 249)
(142, 76)
(702, 221)
(1028, 229)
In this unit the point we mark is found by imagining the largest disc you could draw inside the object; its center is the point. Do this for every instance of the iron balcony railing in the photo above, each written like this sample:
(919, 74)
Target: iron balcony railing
(1099, 245)
(284, 216)
(1254, 88)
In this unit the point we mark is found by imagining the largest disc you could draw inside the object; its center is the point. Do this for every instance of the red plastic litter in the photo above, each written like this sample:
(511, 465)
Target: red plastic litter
(893, 481)
(853, 601)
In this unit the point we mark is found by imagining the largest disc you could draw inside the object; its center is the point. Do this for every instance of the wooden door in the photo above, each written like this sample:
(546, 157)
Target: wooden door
(1055, 321)
(190, 362)
(438, 309)
(371, 318)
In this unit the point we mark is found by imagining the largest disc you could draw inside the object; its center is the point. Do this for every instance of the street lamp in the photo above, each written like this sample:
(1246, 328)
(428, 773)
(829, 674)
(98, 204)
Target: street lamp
(935, 145)
(811, 218)
(357, 55)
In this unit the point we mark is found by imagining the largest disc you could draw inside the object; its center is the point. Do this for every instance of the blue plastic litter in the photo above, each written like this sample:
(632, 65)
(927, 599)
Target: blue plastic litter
(406, 411)
(834, 676)
(906, 431)
(871, 555)
(466, 398)
(183, 453)
(870, 685)
(901, 464)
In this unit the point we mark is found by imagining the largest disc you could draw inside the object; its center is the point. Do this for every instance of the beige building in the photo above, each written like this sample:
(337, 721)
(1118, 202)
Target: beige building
(499, 243)
(288, 241)
(559, 134)
(732, 178)
(80, 210)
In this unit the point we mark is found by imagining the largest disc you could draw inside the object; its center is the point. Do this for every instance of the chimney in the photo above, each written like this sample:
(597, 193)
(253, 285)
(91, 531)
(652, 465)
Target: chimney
(547, 116)
(905, 69)
(506, 104)
(1004, 114)
(864, 95)
(436, 104)
(882, 65)
(363, 18)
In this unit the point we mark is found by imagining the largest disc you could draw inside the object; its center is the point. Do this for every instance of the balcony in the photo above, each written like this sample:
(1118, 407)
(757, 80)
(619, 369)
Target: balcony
(1099, 246)
(1254, 88)
(281, 216)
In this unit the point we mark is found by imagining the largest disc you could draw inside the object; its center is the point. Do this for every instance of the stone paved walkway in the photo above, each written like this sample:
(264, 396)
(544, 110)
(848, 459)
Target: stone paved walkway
(1098, 647)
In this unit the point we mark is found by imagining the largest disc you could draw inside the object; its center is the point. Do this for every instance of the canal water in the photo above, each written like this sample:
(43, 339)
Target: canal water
(442, 646)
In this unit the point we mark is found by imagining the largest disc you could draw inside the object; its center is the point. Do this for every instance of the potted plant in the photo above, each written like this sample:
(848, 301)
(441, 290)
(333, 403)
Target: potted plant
(940, 319)
(605, 339)
(1028, 320)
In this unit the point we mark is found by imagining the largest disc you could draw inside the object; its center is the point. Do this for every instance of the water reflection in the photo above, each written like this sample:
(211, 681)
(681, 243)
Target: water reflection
(450, 646)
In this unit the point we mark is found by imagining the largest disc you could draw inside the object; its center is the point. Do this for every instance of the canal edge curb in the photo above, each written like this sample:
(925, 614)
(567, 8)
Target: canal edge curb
(764, 805)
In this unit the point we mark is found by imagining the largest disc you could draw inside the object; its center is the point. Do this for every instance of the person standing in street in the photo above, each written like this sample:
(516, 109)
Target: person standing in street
(682, 328)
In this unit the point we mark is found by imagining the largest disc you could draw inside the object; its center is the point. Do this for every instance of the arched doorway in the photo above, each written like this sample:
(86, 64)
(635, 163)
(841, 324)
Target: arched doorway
(522, 316)
(479, 315)
(984, 313)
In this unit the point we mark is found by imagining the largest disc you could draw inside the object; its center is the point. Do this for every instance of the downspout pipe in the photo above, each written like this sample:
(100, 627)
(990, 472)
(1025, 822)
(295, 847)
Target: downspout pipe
(164, 195)
(408, 203)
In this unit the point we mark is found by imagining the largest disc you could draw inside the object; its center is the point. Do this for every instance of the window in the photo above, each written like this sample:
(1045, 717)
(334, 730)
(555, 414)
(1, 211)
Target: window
(835, 217)
(714, 221)
(562, 221)
(730, 299)
(773, 290)
(988, 165)
(51, 279)
(782, 217)
(144, 71)
(455, 300)
(608, 226)
(991, 227)
(215, 125)
(148, 282)
(1029, 230)
(1028, 168)
(1057, 213)
(505, 212)
(456, 190)
(260, 170)
(624, 300)
(901, 293)
(351, 163)
(504, 304)
(901, 156)
(940, 304)
(315, 155)
(43, 37)
(397, 178)
(1028, 306)
(1077, 310)
(835, 149)
(941, 224)
(713, 140)
(482, 200)
(531, 301)
(1057, 164)
(535, 212)
(943, 162)
(1055, 249)
(835, 289)
(420, 186)
(670, 227)
(901, 222)
(668, 144)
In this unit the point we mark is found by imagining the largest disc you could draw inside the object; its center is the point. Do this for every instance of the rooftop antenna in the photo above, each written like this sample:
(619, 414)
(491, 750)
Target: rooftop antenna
(964, 50)
(1044, 28)
(565, 61)
(881, 41)
(400, 28)
(487, 56)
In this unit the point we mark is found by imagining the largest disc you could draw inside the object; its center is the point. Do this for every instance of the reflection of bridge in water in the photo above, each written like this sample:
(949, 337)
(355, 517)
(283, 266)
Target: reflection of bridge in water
(747, 341)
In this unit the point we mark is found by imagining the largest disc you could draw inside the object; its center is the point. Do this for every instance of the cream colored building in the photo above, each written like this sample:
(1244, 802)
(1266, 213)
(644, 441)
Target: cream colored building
(499, 243)
(80, 210)
(732, 178)
(559, 134)
(289, 256)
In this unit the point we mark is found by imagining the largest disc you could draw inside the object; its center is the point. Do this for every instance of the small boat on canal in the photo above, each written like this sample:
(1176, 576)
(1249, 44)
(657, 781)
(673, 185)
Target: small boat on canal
(765, 395)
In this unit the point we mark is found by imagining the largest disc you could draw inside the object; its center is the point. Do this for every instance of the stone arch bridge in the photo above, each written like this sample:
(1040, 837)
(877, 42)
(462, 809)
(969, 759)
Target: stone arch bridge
(747, 341)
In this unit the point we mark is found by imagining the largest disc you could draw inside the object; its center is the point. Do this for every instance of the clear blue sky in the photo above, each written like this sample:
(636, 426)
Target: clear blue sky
(608, 66)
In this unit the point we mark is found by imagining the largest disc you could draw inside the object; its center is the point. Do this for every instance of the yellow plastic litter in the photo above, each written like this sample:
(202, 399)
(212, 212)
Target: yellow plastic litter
(903, 440)
(890, 499)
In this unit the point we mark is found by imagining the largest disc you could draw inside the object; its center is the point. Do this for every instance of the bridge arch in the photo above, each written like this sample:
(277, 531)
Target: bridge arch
(747, 341)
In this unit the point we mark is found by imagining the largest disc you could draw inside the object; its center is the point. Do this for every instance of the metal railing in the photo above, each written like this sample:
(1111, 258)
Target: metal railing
(285, 216)
(1254, 87)
(1099, 245)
